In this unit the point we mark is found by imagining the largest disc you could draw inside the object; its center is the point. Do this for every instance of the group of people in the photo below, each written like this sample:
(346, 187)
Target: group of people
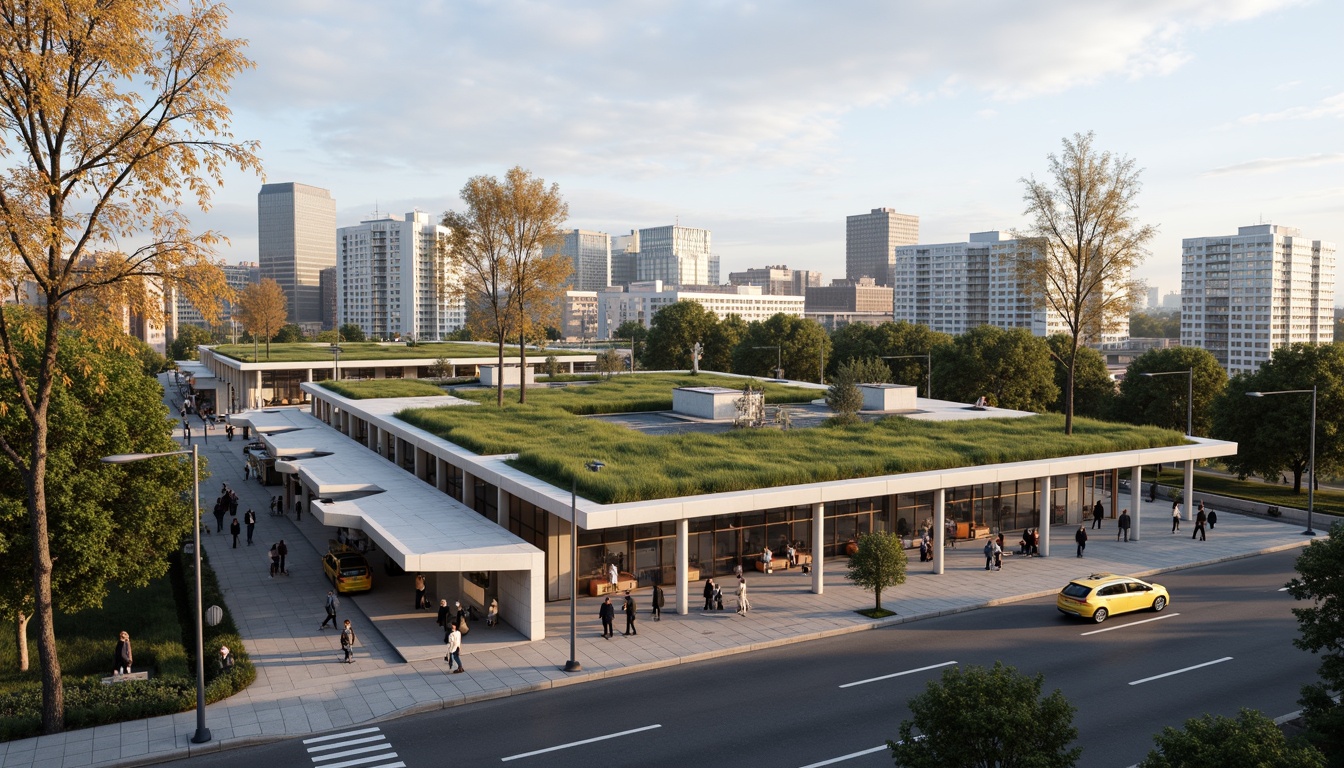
(122, 657)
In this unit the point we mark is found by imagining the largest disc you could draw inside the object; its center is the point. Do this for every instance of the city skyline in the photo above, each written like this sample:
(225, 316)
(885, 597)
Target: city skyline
(769, 126)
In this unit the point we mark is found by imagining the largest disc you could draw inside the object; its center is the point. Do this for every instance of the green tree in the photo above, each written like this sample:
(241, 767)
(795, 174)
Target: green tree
(631, 330)
(113, 122)
(609, 361)
(109, 525)
(869, 370)
(1214, 742)
(1010, 367)
(1162, 400)
(289, 333)
(1272, 432)
(1093, 387)
(1155, 325)
(1320, 582)
(723, 339)
(552, 366)
(859, 340)
(351, 332)
(151, 362)
(675, 331)
(843, 397)
(975, 717)
(878, 563)
(802, 345)
(1083, 245)
(188, 338)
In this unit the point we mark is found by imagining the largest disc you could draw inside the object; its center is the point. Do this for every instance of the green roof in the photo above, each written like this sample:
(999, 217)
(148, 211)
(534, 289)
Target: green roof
(383, 388)
(368, 350)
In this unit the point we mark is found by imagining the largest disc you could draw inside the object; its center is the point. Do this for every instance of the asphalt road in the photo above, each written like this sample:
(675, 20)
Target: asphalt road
(1224, 643)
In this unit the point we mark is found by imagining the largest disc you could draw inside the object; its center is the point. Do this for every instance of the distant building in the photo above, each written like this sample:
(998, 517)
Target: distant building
(870, 239)
(676, 255)
(296, 240)
(393, 279)
(625, 259)
(1245, 295)
(1171, 301)
(645, 299)
(862, 296)
(590, 255)
(327, 280)
(778, 280)
(578, 316)
(238, 276)
(1154, 298)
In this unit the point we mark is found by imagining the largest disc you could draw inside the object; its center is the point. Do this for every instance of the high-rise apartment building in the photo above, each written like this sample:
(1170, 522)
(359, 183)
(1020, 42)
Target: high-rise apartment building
(625, 259)
(1244, 295)
(871, 239)
(296, 240)
(238, 276)
(590, 255)
(393, 279)
(676, 255)
(778, 280)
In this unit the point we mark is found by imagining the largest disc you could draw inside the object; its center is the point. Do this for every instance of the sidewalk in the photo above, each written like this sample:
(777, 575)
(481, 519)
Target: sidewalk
(302, 689)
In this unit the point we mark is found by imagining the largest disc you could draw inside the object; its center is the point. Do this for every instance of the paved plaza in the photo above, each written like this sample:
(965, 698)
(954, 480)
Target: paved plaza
(302, 688)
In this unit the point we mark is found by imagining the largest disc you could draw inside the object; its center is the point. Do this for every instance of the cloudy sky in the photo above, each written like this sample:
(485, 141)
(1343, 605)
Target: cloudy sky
(768, 123)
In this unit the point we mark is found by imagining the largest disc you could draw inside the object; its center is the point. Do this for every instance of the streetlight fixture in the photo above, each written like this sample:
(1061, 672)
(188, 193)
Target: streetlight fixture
(573, 664)
(928, 364)
(336, 365)
(1311, 461)
(202, 733)
(1189, 397)
(779, 359)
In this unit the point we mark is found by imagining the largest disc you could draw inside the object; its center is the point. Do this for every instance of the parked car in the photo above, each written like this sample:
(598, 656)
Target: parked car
(348, 571)
(1106, 594)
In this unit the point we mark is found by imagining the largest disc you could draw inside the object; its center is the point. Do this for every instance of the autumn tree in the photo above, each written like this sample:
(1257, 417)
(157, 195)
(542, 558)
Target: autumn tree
(263, 310)
(112, 120)
(1082, 245)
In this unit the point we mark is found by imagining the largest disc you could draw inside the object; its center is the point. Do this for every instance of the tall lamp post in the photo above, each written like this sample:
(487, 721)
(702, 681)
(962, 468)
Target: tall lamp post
(779, 359)
(1189, 397)
(928, 364)
(1311, 461)
(573, 664)
(202, 733)
(336, 365)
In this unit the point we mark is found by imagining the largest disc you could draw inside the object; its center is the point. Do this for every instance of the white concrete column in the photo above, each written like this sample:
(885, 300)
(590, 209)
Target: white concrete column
(441, 475)
(1045, 517)
(1135, 501)
(818, 537)
(421, 462)
(1189, 495)
(939, 528)
(683, 566)
(502, 507)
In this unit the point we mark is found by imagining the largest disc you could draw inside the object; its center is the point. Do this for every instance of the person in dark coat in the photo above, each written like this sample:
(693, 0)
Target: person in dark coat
(235, 530)
(630, 615)
(1097, 514)
(709, 594)
(1122, 525)
(1081, 538)
(221, 508)
(122, 657)
(250, 519)
(282, 551)
(608, 615)
(442, 618)
(1213, 518)
(657, 612)
(1200, 520)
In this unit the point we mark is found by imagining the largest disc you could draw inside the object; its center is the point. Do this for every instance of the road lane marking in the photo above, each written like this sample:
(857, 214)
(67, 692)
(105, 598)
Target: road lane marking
(346, 734)
(1179, 671)
(578, 743)
(898, 674)
(843, 758)
(1130, 624)
(360, 761)
(347, 742)
(1283, 589)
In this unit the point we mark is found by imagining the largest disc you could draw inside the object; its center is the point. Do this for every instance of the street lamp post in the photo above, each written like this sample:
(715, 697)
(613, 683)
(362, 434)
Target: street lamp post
(1189, 397)
(779, 359)
(1311, 460)
(928, 364)
(336, 365)
(202, 733)
(573, 664)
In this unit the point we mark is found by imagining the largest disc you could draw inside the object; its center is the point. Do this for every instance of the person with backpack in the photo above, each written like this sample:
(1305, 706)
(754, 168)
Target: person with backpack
(333, 603)
(348, 642)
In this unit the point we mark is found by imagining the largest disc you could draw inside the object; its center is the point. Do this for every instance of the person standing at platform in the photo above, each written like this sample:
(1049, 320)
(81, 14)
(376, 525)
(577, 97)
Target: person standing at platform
(629, 608)
(607, 613)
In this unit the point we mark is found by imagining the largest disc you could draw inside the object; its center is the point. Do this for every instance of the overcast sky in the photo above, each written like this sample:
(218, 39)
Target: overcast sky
(768, 123)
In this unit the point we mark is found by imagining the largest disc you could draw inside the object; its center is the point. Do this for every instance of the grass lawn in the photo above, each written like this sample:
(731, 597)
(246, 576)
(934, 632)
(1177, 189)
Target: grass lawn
(553, 443)
(378, 388)
(1328, 501)
(353, 352)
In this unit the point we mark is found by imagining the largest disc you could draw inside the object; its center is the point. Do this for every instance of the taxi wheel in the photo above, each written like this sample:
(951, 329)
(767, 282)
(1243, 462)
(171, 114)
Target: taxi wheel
(1159, 603)
(1100, 615)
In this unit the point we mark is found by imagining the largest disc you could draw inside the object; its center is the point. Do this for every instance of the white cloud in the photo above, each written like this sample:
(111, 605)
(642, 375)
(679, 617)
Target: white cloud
(1331, 106)
(1272, 164)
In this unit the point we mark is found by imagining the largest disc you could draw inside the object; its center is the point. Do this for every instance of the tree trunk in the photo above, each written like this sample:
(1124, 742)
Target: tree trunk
(499, 384)
(522, 358)
(21, 639)
(1297, 480)
(1068, 394)
(53, 693)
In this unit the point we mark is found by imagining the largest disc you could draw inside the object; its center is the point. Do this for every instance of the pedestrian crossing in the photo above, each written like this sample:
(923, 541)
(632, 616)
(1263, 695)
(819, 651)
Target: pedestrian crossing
(364, 747)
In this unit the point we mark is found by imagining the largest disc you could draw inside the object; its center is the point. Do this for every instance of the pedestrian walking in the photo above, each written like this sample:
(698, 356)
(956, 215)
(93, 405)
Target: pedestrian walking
(743, 604)
(221, 508)
(1175, 516)
(282, 551)
(791, 554)
(657, 612)
(274, 499)
(607, 613)
(250, 520)
(709, 594)
(235, 530)
(1213, 518)
(348, 642)
(454, 655)
(442, 618)
(274, 554)
(420, 602)
(998, 553)
(1122, 525)
(989, 554)
(122, 657)
(298, 509)
(492, 613)
(333, 602)
(718, 597)
(1081, 538)
(629, 608)
(1200, 520)
(1097, 514)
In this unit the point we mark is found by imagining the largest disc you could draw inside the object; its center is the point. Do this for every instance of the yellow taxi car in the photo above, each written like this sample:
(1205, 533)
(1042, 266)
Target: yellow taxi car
(348, 571)
(1106, 594)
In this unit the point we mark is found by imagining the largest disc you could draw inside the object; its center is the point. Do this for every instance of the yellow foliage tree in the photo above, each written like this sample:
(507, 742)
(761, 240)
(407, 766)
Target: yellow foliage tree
(263, 309)
(111, 113)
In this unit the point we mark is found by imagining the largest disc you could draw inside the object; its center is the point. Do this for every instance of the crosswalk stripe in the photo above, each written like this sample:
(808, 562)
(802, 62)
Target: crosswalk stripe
(329, 737)
(360, 760)
(358, 751)
(349, 743)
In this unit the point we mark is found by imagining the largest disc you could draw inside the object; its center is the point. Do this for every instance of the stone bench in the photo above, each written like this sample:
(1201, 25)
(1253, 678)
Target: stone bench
(126, 678)
(598, 587)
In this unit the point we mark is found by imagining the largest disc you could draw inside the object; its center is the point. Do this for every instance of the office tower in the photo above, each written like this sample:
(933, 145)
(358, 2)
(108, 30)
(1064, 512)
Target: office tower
(778, 280)
(1154, 298)
(624, 259)
(296, 240)
(1245, 295)
(676, 255)
(870, 240)
(394, 280)
(327, 280)
(849, 301)
(590, 255)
